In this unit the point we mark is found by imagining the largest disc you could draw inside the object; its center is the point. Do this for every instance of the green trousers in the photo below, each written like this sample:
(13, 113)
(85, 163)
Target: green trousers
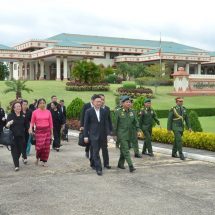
(124, 153)
(177, 146)
(147, 140)
(135, 146)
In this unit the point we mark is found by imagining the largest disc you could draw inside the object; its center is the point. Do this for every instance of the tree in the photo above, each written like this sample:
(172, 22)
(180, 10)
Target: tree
(17, 86)
(122, 69)
(86, 72)
(4, 72)
(194, 122)
(157, 73)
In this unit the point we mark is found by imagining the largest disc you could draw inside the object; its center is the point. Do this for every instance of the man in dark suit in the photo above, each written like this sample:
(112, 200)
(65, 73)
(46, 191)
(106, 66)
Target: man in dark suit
(96, 130)
(63, 108)
(110, 125)
(2, 119)
(87, 148)
(53, 99)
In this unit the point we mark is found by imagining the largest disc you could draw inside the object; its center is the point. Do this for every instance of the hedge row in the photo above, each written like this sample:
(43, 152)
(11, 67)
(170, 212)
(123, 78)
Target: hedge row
(200, 111)
(150, 81)
(88, 88)
(198, 140)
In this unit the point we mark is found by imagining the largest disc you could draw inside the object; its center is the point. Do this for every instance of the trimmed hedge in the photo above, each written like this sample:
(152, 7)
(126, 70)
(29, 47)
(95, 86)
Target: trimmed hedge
(88, 88)
(151, 81)
(198, 140)
(135, 92)
(200, 112)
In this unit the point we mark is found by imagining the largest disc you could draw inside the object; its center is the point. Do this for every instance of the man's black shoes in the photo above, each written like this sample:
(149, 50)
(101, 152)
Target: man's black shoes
(107, 167)
(137, 156)
(182, 156)
(99, 172)
(131, 168)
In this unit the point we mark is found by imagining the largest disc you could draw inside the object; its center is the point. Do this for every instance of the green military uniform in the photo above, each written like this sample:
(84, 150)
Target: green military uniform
(147, 117)
(176, 118)
(125, 122)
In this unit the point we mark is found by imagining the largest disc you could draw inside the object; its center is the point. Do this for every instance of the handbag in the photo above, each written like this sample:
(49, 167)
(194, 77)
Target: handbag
(6, 138)
(81, 140)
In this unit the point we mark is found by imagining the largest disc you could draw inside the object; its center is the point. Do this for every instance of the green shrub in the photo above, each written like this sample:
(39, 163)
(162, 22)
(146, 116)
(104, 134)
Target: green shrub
(129, 86)
(74, 109)
(200, 112)
(151, 81)
(113, 79)
(139, 103)
(88, 88)
(198, 140)
(194, 121)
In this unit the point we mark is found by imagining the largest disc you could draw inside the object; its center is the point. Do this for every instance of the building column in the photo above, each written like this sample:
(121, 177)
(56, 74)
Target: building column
(199, 69)
(25, 70)
(11, 71)
(41, 70)
(187, 68)
(58, 68)
(175, 67)
(36, 69)
(20, 76)
(47, 71)
(65, 68)
(31, 71)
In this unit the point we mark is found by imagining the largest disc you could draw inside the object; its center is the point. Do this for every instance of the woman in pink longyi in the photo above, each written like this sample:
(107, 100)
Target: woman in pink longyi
(42, 119)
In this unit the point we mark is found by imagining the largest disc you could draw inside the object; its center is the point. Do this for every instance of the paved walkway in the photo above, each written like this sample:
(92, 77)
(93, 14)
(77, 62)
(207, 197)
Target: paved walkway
(161, 185)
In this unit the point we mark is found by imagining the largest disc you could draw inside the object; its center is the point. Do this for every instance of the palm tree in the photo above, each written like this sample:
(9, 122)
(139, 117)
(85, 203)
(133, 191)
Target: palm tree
(17, 86)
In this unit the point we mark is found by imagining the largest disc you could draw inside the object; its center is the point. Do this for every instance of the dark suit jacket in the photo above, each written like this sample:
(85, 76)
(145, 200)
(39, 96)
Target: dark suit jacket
(2, 123)
(63, 111)
(94, 129)
(85, 107)
(109, 118)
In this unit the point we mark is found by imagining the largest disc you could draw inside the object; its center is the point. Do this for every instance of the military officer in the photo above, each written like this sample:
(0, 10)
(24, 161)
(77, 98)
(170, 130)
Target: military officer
(147, 117)
(134, 140)
(177, 115)
(125, 120)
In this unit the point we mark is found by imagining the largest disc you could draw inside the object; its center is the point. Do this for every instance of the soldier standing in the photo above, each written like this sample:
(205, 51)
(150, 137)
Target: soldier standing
(177, 115)
(147, 117)
(125, 121)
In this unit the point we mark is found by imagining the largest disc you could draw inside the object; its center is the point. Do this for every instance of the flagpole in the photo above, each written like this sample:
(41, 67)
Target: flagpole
(160, 53)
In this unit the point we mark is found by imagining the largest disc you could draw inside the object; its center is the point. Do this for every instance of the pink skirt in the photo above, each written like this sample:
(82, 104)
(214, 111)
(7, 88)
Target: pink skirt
(43, 141)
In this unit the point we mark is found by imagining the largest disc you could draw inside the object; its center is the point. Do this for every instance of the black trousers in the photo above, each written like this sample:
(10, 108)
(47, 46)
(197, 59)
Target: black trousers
(105, 154)
(56, 132)
(17, 149)
(24, 154)
(96, 146)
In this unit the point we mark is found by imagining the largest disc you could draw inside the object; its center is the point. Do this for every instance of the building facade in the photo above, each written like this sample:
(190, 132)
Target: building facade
(53, 58)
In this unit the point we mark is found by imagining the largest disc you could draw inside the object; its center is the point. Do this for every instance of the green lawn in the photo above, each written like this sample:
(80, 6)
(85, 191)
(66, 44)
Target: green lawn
(48, 88)
(162, 100)
(206, 122)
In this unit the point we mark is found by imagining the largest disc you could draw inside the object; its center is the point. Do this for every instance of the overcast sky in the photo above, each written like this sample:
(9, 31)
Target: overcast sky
(185, 21)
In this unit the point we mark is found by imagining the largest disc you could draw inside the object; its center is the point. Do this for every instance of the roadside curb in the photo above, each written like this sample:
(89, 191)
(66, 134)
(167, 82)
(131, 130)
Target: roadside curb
(168, 151)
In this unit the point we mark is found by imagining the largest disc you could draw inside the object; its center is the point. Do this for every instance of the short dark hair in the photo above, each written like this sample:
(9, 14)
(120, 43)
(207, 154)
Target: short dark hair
(55, 104)
(61, 100)
(96, 96)
(13, 105)
(39, 100)
(53, 96)
(26, 101)
(102, 94)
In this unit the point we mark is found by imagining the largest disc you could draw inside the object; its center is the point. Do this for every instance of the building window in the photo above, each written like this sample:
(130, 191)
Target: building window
(15, 66)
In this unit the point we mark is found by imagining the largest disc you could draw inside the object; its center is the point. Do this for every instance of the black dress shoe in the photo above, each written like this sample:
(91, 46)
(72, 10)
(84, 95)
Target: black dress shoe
(121, 167)
(137, 156)
(182, 156)
(99, 172)
(144, 153)
(131, 168)
(174, 155)
(151, 154)
(107, 167)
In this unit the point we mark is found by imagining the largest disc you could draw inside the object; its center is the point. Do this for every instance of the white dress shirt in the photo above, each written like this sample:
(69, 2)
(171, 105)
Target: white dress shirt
(97, 113)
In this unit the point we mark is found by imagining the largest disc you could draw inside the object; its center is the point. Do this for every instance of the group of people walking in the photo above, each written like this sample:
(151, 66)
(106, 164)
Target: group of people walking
(45, 122)
(97, 126)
